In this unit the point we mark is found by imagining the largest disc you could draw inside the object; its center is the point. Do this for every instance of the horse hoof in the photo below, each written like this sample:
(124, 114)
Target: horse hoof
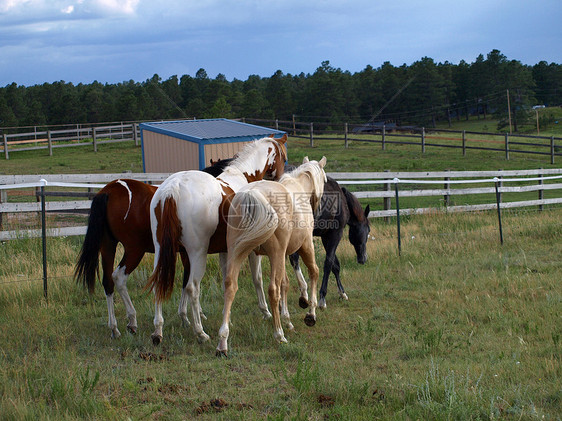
(203, 337)
(156, 339)
(303, 302)
(132, 329)
(344, 296)
(322, 304)
(115, 334)
(221, 353)
(309, 320)
(267, 316)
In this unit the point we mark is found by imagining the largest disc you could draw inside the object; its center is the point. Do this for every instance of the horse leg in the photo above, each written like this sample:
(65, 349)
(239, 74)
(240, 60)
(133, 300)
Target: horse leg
(307, 254)
(107, 251)
(303, 287)
(278, 274)
(336, 271)
(182, 307)
(285, 316)
(230, 289)
(330, 243)
(255, 267)
(198, 262)
(128, 264)
(157, 336)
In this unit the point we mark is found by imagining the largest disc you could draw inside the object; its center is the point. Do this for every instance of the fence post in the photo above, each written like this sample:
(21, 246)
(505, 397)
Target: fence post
(276, 124)
(44, 237)
(135, 137)
(552, 150)
(50, 142)
(500, 183)
(383, 137)
(541, 191)
(5, 136)
(423, 139)
(94, 140)
(447, 197)
(386, 202)
(311, 135)
(507, 146)
(498, 201)
(345, 134)
(397, 216)
(464, 143)
(3, 198)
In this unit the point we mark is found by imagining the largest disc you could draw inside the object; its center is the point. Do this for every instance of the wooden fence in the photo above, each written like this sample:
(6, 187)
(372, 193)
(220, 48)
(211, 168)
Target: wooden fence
(384, 186)
(385, 135)
(15, 141)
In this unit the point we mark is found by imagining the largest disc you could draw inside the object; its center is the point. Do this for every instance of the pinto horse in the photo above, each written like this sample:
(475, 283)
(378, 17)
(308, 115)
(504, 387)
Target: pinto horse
(189, 210)
(339, 207)
(120, 213)
(275, 219)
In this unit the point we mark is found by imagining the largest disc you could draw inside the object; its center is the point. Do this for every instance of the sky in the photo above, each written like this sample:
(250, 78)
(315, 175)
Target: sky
(113, 41)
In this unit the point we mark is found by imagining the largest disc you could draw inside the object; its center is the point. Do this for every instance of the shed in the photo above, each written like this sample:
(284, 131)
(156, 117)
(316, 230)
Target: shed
(171, 146)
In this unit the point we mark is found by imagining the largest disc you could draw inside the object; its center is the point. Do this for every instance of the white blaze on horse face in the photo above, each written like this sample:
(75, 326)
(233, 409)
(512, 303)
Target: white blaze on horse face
(124, 184)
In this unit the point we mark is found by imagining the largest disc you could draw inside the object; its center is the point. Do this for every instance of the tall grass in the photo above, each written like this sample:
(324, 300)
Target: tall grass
(458, 327)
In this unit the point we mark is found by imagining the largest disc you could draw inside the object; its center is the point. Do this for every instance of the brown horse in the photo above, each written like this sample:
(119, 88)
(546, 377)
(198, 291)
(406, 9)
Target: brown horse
(189, 210)
(277, 220)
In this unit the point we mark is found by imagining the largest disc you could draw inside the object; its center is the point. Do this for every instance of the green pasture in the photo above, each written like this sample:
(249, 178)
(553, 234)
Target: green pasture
(458, 327)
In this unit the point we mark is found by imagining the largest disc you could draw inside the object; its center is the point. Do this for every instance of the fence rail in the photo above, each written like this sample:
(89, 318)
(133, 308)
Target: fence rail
(422, 137)
(454, 184)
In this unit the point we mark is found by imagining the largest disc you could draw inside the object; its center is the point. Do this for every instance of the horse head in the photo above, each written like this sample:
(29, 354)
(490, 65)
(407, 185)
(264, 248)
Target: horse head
(359, 226)
(277, 157)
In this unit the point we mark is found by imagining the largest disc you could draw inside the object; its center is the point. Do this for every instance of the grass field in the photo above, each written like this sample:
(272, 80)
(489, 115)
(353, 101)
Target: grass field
(457, 327)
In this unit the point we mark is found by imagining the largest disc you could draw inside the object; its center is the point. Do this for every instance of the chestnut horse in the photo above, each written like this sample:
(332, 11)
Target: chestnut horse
(275, 219)
(189, 210)
(120, 213)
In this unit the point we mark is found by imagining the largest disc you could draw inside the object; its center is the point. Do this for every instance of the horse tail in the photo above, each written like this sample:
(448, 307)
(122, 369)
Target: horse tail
(87, 264)
(168, 235)
(252, 220)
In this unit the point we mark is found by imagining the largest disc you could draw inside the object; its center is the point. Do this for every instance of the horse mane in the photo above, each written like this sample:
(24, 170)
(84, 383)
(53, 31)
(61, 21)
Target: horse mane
(317, 176)
(241, 161)
(355, 209)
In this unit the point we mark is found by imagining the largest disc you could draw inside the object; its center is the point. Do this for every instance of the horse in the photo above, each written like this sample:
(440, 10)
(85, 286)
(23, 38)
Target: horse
(338, 208)
(276, 219)
(189, 211)
(120, 213)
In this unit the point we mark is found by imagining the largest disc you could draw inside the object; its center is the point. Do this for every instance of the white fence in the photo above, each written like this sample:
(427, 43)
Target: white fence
(369, 185)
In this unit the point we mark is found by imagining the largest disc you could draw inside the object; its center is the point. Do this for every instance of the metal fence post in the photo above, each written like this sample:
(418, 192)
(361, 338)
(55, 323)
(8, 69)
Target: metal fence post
(398, 216)
(44, 237)
(386, 202)
(541, 191)
(498, 201)
(447, 186)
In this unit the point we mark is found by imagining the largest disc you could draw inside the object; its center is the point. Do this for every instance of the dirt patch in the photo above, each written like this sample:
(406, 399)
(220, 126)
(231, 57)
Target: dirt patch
(150, 356)
(217, 405)
(326, 401)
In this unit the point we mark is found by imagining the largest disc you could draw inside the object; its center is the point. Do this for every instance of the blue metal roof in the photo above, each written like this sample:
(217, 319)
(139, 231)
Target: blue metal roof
(210, 131)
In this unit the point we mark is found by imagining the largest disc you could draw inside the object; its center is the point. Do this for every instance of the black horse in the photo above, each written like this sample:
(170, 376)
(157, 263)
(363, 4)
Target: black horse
(338, 208)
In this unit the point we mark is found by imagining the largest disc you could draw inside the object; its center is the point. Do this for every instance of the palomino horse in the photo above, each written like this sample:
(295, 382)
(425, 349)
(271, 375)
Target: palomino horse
(189, 210)
(120, 213)
(337, 208)
(276, 219)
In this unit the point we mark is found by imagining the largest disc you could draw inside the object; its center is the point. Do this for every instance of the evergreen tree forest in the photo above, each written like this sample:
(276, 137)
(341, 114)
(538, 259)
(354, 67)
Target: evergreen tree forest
(422, 93)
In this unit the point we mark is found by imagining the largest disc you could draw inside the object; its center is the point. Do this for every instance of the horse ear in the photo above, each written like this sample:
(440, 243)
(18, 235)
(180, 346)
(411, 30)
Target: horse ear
(305, 160)
(271, 135)
(322, 162)
(283, 139)
(367, 210)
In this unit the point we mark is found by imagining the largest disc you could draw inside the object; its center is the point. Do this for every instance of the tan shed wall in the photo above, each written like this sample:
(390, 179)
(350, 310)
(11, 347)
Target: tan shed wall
(167, 154)
(216, 151)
